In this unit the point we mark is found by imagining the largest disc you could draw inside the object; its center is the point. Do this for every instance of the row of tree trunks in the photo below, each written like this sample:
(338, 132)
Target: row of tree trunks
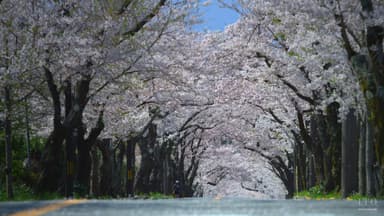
(317, 150)
(60, 172)
(369, 68)
(368, 181)
(159, 164)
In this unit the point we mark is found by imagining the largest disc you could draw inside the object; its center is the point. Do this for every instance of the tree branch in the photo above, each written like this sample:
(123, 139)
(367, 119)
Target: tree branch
(95, 132)
(124, 7)
(344, 35)
(295, 90)
(55, 97)
(193, 116)
(139, 25)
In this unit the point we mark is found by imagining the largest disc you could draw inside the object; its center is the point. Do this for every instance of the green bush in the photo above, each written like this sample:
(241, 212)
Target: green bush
(156, 195)
(23, 192)
(317, 192)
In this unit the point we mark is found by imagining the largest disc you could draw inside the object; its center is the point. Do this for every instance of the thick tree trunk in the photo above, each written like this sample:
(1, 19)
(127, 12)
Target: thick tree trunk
(117, 180)
(145, 177)
(311, 175)
(52, 161)
(333, 129)
(95, 174)
(349, 151)
(107, 168)
(324, 123)
(131, 145)
(317, 152)
(8, 143)
(369, 155)
(27, 132)
(74, 121)
(69, 144)
(362, 144)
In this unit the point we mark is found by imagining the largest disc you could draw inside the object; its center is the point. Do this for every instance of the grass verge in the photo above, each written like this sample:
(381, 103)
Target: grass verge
(24, 193)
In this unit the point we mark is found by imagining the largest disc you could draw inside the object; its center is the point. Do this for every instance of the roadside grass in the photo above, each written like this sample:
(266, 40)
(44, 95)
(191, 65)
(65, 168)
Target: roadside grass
(155, 196)
(317, 193)
(25, 193)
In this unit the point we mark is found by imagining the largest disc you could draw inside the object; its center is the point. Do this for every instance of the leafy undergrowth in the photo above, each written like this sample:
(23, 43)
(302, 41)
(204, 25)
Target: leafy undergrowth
(155, 195)
(317, 193)
(151, 195)
(24, 193)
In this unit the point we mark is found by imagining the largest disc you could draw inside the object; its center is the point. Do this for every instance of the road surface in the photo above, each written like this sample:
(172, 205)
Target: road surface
(201, 207)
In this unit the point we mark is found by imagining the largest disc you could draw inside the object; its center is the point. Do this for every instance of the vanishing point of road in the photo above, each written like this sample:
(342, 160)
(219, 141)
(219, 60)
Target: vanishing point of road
(194, 206)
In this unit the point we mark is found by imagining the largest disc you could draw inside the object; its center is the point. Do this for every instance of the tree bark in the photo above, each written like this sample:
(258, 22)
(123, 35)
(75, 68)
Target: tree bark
(107, 168)
(69, 143)
(317, 151)
(333, 151)
(349, 152)
(27, 132)
(369, 155)
(84, 157)
(144, 181)
(95, 174)
(131, 144)
(8, 143)
(362, 145)
(52, 158)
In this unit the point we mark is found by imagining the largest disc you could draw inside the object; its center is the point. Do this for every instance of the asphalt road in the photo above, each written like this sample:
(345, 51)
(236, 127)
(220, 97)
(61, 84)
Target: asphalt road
(201, 207)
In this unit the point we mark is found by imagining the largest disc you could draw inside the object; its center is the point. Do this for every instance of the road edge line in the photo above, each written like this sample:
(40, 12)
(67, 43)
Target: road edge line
(48, 208)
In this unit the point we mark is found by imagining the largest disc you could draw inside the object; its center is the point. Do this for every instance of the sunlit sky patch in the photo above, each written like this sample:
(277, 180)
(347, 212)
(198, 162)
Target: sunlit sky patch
(215, 17)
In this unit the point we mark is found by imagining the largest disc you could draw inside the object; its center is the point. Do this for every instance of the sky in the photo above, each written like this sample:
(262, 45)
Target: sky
(215, 18)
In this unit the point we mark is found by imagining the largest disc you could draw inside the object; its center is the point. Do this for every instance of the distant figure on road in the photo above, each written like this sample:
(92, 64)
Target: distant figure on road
(177, 189)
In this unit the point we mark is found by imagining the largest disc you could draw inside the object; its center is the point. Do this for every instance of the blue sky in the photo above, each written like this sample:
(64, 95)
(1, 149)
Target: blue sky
(215, 18)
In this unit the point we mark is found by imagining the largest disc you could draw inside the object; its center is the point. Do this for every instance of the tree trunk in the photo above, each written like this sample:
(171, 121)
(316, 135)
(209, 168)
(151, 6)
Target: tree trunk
(144, 181)
(349, 152)
(317, 151)
(333, 151)
(8, 143)
(52, 160)
(299, 163)
(362, 144)
(311, 176)
(369, 155)
(117, 181)
(107, 168)
(131, 144)
(95, 174)
(83, 161)
(27, 133)
(69, 144)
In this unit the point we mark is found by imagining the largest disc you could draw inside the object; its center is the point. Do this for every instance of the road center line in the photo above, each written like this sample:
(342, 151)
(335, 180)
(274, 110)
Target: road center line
(48, 208)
